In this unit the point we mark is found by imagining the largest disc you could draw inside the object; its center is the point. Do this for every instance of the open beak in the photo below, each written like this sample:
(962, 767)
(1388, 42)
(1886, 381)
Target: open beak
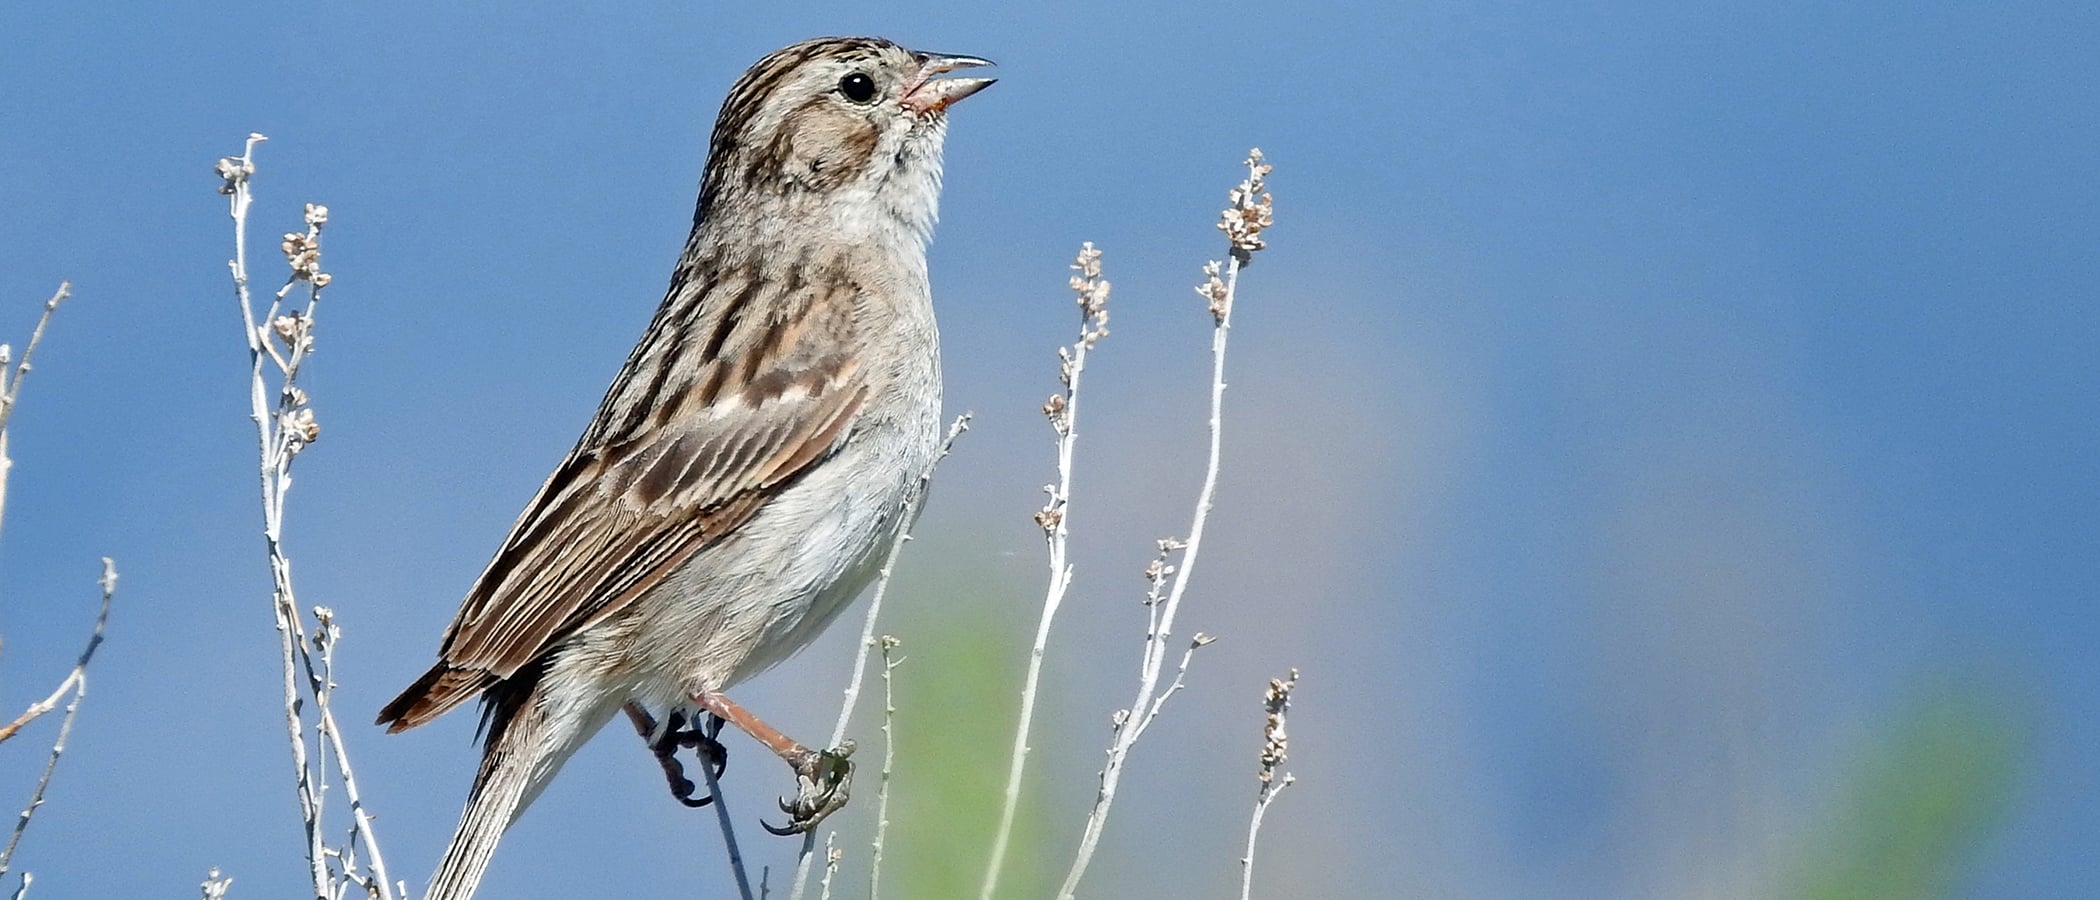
(927, 95)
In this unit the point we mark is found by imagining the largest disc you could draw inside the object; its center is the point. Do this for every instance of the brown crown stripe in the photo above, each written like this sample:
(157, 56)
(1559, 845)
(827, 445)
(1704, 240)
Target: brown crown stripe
(750, 93)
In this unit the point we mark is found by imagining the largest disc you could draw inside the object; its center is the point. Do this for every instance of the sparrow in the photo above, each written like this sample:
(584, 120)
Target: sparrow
(751, 460)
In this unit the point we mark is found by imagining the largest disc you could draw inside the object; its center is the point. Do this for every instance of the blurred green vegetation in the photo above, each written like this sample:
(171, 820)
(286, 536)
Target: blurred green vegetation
(957, 693)
(1920, 801)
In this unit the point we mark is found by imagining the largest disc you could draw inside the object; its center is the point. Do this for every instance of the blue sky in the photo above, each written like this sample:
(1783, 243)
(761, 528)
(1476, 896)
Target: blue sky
(1642, 411)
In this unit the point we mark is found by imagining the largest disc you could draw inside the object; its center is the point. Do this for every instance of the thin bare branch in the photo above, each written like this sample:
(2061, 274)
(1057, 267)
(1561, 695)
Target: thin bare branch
(39, 708)
(889, 762)
(76, 682)
(721, 805)
(11, 387)
(323, 686)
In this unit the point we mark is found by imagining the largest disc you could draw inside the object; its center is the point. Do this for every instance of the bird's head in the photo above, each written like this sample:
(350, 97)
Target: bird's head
(841, 124)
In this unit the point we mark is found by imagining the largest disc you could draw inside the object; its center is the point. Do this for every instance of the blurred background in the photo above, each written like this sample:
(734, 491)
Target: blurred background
(1662, 435)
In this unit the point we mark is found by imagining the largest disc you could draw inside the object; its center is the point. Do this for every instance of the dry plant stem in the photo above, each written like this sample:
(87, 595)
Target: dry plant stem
(281, 433)
(76, 682)
(11, 387)
(1275, 750)
(736, 856)
(889, 761)
(910, 511)
(1261, 808)
(1055, 520)
(1146, 707)
(1242, 222)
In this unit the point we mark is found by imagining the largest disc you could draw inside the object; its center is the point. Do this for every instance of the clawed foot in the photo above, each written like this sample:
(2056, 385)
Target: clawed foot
(701, 736)
(823, 780)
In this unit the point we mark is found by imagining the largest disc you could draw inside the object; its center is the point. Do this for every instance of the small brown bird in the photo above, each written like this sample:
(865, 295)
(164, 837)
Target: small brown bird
(751, 459)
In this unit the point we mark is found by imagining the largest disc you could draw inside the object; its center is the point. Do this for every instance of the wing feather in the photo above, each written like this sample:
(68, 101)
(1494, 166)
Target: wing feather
(674, 460)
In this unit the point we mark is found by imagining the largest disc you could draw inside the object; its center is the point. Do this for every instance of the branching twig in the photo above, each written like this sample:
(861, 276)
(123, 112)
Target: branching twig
(1275, 750)
(910, 513)
(283, 430)
(323, 685)
(1062, 409)
(1244, 218)
(76, 683)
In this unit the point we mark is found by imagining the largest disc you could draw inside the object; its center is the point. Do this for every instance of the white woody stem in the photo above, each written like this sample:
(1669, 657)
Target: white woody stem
(1275, 751)
(1261, 808)
(889, 762)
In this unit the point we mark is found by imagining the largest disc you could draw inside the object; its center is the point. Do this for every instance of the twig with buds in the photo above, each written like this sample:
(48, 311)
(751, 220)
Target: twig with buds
(1275, 750)
(1248, 211)
(284, 338)
(1062, 409)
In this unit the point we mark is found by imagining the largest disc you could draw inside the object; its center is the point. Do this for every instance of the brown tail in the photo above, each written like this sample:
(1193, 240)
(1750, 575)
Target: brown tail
(439, 690)
(534, 725)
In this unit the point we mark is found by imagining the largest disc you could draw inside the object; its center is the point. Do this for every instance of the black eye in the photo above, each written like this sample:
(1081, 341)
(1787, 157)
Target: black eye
(857, 87)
